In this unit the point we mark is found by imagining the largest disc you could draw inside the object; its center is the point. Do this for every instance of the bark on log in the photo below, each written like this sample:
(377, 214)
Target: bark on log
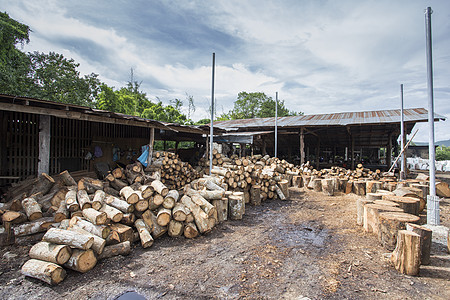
(58, 254)
(179, 212)
(212, 195)
(150, 219)
(163, 216)
(236, 207)
(389, 223)
(99, 230)
(144, 233)
(29, 228)
(62, 212)
(425, 241)
(359, 188)
(386, 202)
(46, 271)
(70, 238)
(71, 200)
(202, 202)
(284, 186)
(160, 187)
(342, 184)
(66, 178)
(115, 250)
(99, 243)
(170, 199)
(120, 204)
(371, 212)
(409, 205)
(360, 202)
(81, 260)
(297, 181)
(328, 186)
(200, 217)
(111, 191)
(190, 230)
(222, 209)
(317, 184)
(129, 194)
(99, 198)
(128, 219)
(406, 256)
(112, 213)
(147, 191)
(349, 187)
(255, 195)
(95, 217)
(175, 229)
(43, 184)
(83, 199)
(90, 185)
(31, 208)
(121, 233)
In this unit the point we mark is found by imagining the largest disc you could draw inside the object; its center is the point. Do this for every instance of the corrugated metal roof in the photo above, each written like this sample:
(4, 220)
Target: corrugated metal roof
(335, 119)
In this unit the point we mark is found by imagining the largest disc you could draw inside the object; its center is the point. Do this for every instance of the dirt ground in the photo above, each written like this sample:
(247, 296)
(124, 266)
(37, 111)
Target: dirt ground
(308, 246)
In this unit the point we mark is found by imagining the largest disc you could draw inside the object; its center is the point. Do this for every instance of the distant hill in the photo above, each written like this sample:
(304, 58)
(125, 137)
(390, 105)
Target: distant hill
(445, 143)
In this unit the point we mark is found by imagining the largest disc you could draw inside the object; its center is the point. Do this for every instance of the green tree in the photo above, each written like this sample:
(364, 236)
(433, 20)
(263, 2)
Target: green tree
(443, 153)
(14, 64)
(191, 105)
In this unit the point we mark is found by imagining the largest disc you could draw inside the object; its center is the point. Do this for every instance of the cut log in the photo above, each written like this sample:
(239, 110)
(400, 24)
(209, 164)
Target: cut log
(360, 202)
(236, 207)
(99, 198)
(316, 184)
(175, 229)
(371, 212)
(43, 184)
(374, 196)
(95, 217)
(62, 212)
(146, 191)
(202, 202)
(164, 216)
(141, 205)
(81, 260)
(90, 185)
(58, 254)
(46, 271)
(349, 187)
(425, 241)
(71, 200)
(130, 195)
(121, 233)
(222, 209)
(128, 219)
(297, 181)
(389, 223)
(111, 191)
(99, 243)
(29, 228)
(144, 233)
(342, 184)
(70, 238)
(120, 204)
(359, 188)
(406, 256)
(328, 186)
(200, 217)
(442, 189)
(179, 212)
(66, 178)
(13, 217)
(112, 213)
(83, 199)
(255, 195)
(212, 195)
(99, 230)
(150, 219)
(115, 250)
(170, 199)
(386, 202)
(279, 192)
(409, 205)
(190, 230)
(160, 187)
(118, 184)
(31, 208)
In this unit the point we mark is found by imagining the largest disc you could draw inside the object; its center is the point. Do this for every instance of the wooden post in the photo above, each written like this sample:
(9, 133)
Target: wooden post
(44, 144)
(318, 153)
(302, 146)
(353, 153)
(150, 146)
(264, 150)
(389, 151)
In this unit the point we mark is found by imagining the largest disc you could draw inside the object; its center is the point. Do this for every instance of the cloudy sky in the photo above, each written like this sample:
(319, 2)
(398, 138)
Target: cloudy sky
(321, 56)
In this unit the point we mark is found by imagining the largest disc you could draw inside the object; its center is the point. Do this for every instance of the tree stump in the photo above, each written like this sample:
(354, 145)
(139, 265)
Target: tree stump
(360, 210)
(413, 193)
(349, 187)
(425, 241)
(342, 184)
(359, 187)
(371, 212)
(389, 223)
(328, 186)
(297, 181)
(409, 205)
(406, 255)
(255, 195)
(222, 209)
(236, 207)
(306, 180)
(316, 184)
(386, 202)
(372, 186)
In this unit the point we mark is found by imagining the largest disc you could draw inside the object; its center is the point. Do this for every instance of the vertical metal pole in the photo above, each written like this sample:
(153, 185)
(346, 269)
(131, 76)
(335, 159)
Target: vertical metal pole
(212, 115)
(432, 200)
(276, 124)
(402, 135)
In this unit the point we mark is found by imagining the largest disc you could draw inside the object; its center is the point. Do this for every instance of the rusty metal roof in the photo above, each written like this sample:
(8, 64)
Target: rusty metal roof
(335, 119)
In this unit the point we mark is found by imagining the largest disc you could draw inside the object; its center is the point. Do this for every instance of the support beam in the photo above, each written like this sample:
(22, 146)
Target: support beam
(150, 146)
(44, 144)
(353, 153)
(389, 151)
(318, 153)
(302, 146)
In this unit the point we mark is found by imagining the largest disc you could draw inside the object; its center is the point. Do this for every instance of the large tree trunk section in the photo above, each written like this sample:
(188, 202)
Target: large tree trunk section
(342, 184)
(31, 208)
(175, 229)
(99, 198)
(236, 207)
(255, 195)
(144, 233)
(297, 181)
(83, 199)
(190, 230)
(413, 193)
(129, 194)
(58, 254)
(163, 216)
(359, 187)
(43, 184)
(316, 184)
(409, 205)
(442, 189)
(120, 204)
(284, 186)
(70, 238)
(425, 241)
(112, 213)
(99, 230)
(406, 256)
(349, 187)
(328, 186)
(360, 210)
(99, 243)
(200, 217)
(159, 187)
(389, 223)
(115, 250)
(372, 186)
(371, 212)
(46, 271)
(222, 209)
(95, 217)
(81, 260)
